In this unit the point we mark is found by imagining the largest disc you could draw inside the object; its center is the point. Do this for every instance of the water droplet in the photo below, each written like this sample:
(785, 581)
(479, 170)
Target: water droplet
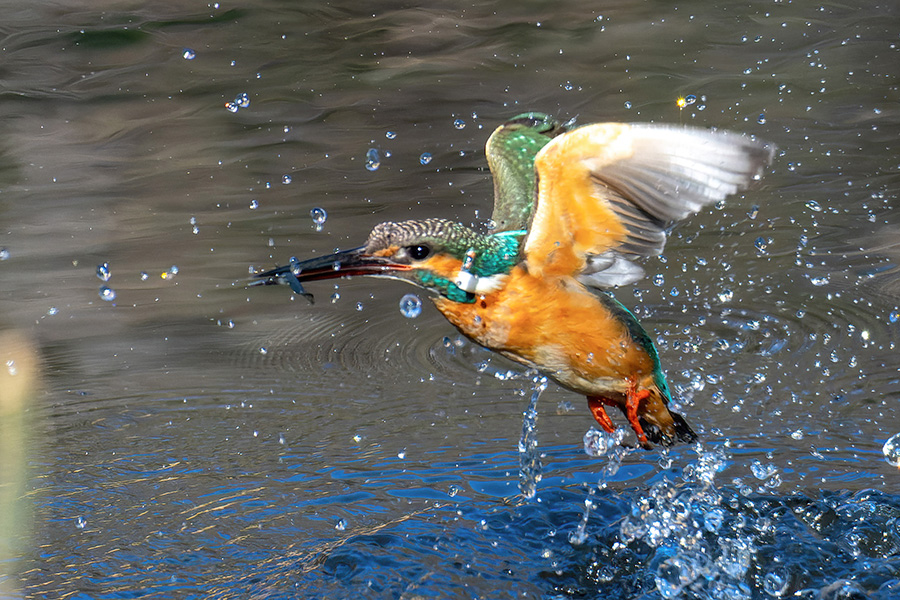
(169, 273)
(335, 297)
(242, 100)
(286, 179)
(459, 124)
(761, 471)
(232, 107)
(690, 99)
(287, 129)
(341, 525)
(103, 272)
(402, 454)
(775, 584)
(659, 279)
(145, 276)
(797, 435)
(891, 450)
(819, 281)
(281, 439)
(52, 311)
(254, 204)
(80, 523)
(761, 245)
(453, 490)
(674, 574)
(814, 206)
(373, 159)
(753, 212)
(627, 104)
(410, 306)
(425, 158)
(4, 253)
(319, 216)
(713, 519)
(263, 350)
(761, 119)
(359, 306)
(726, 295)
(188, 54)
(390, 135)
(597, 443)
(894, 316)
(107, 293)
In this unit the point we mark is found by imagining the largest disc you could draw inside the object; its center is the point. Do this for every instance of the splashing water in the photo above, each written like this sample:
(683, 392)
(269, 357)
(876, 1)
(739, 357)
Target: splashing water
(598, 444)
(696, 547)
(530, 469)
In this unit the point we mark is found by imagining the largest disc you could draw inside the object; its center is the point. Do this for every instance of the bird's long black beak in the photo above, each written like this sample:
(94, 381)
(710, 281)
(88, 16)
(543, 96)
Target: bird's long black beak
(346, 263)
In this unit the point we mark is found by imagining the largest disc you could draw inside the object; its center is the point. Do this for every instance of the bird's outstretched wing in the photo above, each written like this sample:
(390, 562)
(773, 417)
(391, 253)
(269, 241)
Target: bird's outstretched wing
(510, 154)
(606, 193)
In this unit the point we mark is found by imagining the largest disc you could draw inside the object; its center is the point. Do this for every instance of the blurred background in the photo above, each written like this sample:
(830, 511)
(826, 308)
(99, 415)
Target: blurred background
(165, 431)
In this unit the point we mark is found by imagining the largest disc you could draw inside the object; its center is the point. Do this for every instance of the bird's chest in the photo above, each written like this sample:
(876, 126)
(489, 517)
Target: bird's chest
(554, 325)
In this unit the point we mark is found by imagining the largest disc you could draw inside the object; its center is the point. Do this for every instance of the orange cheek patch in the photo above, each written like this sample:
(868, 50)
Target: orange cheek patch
(387, 252)
(442, 266)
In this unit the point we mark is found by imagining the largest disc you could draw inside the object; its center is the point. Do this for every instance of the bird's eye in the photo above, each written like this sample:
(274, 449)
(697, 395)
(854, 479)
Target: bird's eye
(418, 252)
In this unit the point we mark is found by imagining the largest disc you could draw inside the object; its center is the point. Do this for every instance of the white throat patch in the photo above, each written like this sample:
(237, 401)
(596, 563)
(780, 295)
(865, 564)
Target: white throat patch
(479, 285)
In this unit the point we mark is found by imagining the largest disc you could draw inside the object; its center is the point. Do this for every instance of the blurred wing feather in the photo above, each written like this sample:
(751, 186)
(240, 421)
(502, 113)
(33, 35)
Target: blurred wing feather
(610, 190)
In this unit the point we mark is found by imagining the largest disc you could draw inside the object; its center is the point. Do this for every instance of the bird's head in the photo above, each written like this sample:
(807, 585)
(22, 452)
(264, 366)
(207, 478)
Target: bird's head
(442, 256)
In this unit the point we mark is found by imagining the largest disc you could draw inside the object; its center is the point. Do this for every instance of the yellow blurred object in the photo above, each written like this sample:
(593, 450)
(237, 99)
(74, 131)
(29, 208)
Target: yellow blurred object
(19, 375)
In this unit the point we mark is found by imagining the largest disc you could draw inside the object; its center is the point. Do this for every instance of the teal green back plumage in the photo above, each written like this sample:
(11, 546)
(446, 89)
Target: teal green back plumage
(640, 337)
(510, 154)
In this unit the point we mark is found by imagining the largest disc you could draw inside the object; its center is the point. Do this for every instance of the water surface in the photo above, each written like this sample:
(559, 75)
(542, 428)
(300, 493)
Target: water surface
(194, 438)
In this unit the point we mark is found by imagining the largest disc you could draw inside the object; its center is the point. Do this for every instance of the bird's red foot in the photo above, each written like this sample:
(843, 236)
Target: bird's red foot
(595, 403)
(632, 401)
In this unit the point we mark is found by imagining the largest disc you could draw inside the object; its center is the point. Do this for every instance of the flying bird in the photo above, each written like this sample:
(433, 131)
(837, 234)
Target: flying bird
(575, 208)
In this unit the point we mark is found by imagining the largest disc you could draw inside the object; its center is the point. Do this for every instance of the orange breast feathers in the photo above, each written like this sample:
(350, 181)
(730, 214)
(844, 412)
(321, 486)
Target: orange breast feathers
(553, 324)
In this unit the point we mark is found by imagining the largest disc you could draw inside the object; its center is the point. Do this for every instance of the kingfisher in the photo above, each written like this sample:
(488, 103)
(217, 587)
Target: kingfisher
(575, 209)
